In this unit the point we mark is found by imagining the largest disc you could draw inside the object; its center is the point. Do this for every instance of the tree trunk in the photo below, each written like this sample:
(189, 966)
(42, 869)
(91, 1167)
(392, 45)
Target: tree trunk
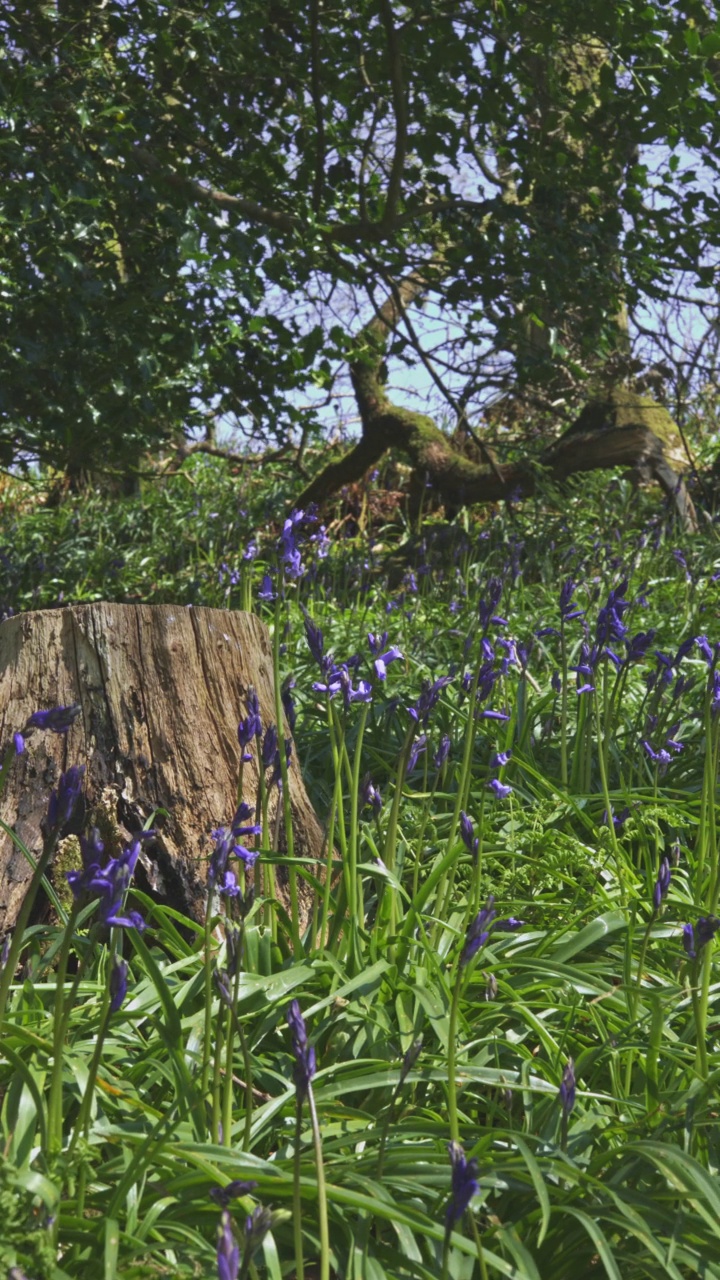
(162, 690)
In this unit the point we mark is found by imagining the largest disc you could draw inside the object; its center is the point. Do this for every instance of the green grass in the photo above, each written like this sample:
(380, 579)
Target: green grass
(112, 1143)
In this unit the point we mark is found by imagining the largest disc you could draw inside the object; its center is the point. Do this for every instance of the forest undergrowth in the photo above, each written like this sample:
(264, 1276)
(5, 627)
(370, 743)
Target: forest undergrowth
(494, 1050)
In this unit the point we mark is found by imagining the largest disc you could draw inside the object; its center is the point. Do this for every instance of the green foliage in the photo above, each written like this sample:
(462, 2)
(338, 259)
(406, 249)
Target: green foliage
(626, 1184)
(186, 189)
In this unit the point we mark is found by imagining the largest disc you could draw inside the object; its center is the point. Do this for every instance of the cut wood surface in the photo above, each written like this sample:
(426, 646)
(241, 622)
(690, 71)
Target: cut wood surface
(162, 690)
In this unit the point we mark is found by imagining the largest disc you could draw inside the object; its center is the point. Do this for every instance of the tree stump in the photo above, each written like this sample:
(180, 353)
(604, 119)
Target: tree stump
(162, 690)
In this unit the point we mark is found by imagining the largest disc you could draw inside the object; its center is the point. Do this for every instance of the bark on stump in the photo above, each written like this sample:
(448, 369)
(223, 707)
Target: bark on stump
(162, 689)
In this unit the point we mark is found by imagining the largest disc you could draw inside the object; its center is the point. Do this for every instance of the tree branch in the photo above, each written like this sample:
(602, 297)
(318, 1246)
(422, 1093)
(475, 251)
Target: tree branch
(400, 110)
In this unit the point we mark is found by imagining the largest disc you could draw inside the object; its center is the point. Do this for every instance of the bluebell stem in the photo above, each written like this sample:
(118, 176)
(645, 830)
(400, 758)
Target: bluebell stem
(233, 943)
(465, 1184)
(694, 939)
(304, 1069)
(566, 1092)
(57, 719)
(662, 884)
(409, 1060)
(231, 1190)
(118, 983)
(228, 1250)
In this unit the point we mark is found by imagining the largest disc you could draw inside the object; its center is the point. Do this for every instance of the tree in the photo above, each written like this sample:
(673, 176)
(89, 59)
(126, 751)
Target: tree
(216, 207)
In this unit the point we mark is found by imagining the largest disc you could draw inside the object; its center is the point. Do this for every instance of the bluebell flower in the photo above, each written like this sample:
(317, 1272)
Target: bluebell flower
(417, 747)
(288, 701)
(467, 833)
(442, 752)
(265, 590)
(118, 983)
(568, 607)
(18, 743)
(251, 726)
(478, 931)
(269, 746)
(5, 951)
(556, 682)
(369, 795)
(465, 1184)
(697, 937)
(315, 639)
(381, 662)
(500, 759)
(566, 1092)
(662, 884)
(228, 1250)
(304, 1069)
(57, 719)
(501, 790)
(423, 708)
(377, 643)
(66, 800)
(231, 1190)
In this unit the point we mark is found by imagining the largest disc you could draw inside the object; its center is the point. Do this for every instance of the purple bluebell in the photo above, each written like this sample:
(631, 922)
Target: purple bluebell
(556, 682)
(566, 1092)
(376, 644)
(501, 790)
(369, 795)
(118, 983)
(231, 1190)
(57, 719)
(662, 884)
(269, 746)
(288, 701)
(423, 708)
(304, 1069)
(697, 937)
(489, 603)
(223, 985)
(443, 751)
(266, 591)
(380, 663)
(276, 775)
(478, 931)
(467, 833)
(637, 646)
(500, 759)
(417, 747)
(228, 1250)
(291, 558)
(251, 726)
(609, 625)
(66, 800)
(251, 550)
(257, 1225)
(464, 1185)
(568, 607)
(18, 743)
(315, 640)
(234, 947)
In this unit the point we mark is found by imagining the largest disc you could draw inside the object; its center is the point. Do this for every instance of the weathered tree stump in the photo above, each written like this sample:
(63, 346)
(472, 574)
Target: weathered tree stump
(162, 689)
